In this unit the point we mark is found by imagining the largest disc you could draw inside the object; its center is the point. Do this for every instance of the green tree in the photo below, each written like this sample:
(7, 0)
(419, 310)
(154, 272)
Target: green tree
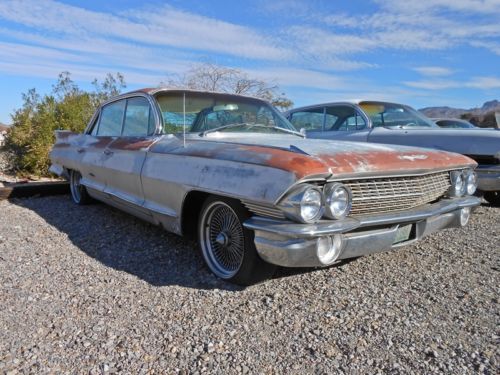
(67, 107)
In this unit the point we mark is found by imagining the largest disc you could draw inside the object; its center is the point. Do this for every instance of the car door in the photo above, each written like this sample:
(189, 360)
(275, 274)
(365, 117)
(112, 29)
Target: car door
(105, 129)
(339, 122)
(345, 122)
(124, 156)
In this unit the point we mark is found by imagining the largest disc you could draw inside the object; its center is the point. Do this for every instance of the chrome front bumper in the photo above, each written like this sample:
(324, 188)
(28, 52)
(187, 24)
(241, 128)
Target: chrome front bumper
(295, 245)
(488, 177)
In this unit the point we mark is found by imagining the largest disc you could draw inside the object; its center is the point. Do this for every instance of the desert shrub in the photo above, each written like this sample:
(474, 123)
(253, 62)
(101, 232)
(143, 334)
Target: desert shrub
(67, 107)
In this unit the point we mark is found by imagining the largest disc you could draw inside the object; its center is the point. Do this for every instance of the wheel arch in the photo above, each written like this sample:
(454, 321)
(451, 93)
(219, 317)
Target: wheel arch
(191, 210)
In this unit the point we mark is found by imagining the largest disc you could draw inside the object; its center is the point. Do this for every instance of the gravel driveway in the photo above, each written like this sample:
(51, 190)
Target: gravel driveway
(93, 290)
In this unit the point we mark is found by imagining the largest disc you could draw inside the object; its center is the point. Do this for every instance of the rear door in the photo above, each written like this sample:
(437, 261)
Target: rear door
(105, 129)
(124, 157)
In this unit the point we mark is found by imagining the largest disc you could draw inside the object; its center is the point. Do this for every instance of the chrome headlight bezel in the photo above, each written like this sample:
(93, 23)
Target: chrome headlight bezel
(457, 188)
(470, 181)
(463, 182)
(294, 203)
(332, 192)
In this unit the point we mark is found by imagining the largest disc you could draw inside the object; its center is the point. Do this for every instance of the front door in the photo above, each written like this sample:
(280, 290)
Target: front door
(125, 156)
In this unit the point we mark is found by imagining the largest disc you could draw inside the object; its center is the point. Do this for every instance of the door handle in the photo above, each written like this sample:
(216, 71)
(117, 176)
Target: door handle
(80, 150)
(107, 152)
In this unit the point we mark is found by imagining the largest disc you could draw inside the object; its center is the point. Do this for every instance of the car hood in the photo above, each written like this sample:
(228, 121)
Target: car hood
(314, 157)
(462, 141)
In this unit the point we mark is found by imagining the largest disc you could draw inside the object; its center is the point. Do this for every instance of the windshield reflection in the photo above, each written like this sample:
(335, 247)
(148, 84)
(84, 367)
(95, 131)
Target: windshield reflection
(395, 115)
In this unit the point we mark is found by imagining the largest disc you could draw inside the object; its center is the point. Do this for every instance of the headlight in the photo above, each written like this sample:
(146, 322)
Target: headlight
(311, 204)
(457, 184)
(470, 182)
(304, 204)
(338, 201)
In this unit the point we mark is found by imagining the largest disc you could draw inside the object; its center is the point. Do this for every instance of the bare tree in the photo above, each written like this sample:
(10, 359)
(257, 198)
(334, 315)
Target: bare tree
(213, 77)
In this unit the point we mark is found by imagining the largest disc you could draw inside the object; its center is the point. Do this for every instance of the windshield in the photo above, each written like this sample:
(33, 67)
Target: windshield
(388, 114)
(202, 112)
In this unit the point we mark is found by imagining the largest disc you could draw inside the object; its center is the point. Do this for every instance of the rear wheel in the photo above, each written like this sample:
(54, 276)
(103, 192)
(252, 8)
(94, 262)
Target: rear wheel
(493, 197)
(78, 191)
(227, 246)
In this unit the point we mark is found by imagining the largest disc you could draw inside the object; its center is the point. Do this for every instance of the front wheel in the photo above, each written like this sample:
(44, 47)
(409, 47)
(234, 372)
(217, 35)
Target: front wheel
(78, 191)
(227, 246)
(493, 197)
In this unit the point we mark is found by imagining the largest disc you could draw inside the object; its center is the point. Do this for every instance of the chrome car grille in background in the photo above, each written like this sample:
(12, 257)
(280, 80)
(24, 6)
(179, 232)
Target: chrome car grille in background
(384, 195)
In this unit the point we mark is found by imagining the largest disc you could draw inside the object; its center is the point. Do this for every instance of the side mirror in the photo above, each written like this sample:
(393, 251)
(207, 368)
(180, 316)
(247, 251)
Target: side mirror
(303, 131)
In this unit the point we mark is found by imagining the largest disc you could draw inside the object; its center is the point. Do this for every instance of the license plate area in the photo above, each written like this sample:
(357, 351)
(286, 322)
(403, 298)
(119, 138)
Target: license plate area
(405, 233)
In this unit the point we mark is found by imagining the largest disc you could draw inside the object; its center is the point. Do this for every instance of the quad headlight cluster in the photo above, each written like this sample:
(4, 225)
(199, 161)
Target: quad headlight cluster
(463, 182)
(309, 203)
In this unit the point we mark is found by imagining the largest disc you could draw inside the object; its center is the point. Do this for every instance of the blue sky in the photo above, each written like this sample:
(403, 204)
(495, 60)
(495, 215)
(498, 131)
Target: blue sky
(423, 53)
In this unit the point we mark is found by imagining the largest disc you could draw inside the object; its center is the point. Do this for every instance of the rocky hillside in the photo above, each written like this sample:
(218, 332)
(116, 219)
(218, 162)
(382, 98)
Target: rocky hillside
(491, 106)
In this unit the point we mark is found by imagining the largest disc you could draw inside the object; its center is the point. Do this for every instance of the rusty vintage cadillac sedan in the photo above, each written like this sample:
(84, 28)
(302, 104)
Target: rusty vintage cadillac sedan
(232, 172)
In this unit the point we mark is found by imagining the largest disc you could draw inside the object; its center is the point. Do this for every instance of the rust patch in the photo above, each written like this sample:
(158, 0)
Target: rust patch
(132, 143)
(387, 161)
(336, 163)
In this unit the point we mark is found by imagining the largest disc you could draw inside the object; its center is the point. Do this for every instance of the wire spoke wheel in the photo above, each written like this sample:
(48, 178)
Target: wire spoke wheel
(222, 239)
(75, 186)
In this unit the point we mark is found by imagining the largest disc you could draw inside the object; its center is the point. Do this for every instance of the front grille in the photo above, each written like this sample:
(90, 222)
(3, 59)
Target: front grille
(379, 195)
(382, 195)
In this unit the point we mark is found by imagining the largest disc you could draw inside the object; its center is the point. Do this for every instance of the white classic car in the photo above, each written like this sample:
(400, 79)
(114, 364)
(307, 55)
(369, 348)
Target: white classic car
(392, 123)
(251, 189)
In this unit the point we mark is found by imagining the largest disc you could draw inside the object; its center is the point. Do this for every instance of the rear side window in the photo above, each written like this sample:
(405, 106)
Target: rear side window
(343, 118)
(311, 119)
(111, 119)
(139, 121)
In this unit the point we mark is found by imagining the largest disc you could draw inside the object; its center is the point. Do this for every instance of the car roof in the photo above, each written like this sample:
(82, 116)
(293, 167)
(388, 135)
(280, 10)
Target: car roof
(344, 102)
(156, 90)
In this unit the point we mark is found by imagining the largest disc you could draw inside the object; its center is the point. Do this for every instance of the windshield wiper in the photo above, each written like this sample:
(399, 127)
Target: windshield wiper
(202, 134)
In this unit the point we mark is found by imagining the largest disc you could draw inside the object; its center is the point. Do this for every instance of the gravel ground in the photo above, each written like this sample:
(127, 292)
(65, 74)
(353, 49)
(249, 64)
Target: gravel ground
(92, 290)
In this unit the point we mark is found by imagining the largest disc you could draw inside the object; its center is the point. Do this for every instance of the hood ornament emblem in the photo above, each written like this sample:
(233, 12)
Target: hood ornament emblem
(413, 157)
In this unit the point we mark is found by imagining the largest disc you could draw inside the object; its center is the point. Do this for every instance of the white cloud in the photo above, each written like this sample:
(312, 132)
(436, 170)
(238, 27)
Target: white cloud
(484, 83)
(481, 83)
(423, 25)
(78, 72)
(434, 71)
(436, 84)
(301, 78)
(165, 27)
(472, 6)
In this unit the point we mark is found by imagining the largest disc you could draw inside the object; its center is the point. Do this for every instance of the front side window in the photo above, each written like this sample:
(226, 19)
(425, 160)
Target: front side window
(343, 118)
(138, 118)
(352, 123)
(94, 126)
(111, 119)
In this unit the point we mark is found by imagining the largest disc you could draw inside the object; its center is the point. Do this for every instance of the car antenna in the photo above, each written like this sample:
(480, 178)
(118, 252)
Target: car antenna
(184, 119)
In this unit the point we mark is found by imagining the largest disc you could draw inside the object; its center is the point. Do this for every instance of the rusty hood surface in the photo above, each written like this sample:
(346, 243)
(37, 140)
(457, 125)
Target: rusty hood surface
(315, 157)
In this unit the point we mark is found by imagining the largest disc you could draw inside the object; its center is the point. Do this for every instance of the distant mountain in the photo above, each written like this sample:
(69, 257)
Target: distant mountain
(491, 106)
(4, 127)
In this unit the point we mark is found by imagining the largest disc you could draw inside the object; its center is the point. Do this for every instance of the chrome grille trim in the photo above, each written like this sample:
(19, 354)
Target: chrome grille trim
(382, 195)
(264, 210)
